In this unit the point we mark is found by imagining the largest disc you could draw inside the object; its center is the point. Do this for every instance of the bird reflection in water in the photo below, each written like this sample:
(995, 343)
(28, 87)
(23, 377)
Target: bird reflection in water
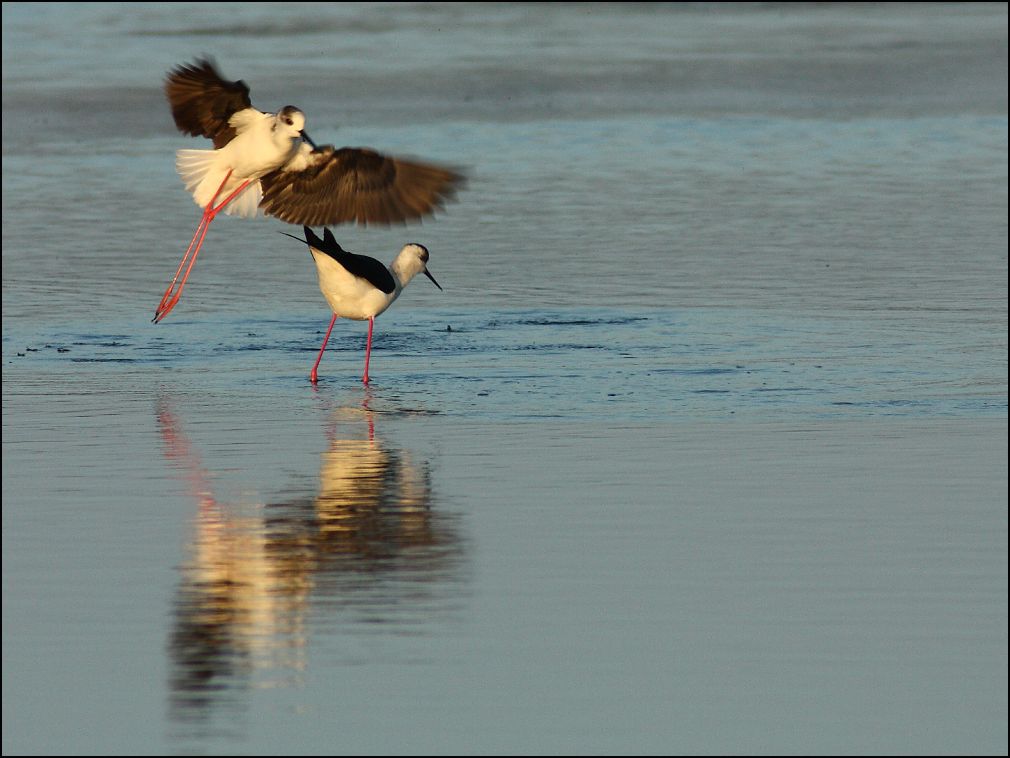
(366, 549)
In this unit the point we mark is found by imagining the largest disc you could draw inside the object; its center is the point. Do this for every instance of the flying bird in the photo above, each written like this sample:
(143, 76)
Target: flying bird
(358, 287)
(266, 162)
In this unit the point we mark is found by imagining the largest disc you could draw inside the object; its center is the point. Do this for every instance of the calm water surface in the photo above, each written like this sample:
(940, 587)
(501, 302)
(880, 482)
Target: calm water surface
(702, 449)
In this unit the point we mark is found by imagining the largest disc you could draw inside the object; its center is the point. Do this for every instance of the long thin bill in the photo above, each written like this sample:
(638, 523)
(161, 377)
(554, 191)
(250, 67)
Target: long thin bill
(428, 274)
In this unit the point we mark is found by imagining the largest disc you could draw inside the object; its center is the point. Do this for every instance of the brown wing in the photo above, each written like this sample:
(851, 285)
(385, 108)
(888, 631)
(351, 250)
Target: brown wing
(202, 101)
(330, 186)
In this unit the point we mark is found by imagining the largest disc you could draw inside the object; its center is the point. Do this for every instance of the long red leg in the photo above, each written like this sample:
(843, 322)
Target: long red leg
(368, 348)
(171, 286)
(314, 376)
(172, 295)
(170, 304)
(201, 232)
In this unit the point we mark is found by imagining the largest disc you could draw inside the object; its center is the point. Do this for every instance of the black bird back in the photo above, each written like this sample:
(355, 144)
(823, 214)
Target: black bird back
(361, 266)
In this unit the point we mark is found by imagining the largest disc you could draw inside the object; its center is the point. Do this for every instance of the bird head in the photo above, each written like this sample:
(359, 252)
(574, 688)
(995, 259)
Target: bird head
(291, 121)
(413, 260)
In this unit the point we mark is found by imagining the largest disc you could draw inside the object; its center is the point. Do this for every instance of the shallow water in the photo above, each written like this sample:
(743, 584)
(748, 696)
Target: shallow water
(702, 449)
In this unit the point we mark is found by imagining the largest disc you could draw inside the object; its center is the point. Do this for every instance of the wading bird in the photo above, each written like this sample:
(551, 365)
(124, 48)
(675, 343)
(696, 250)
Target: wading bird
(358, 287)
(266, 162)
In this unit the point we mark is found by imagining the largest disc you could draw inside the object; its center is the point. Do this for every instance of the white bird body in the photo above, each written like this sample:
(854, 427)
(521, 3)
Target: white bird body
(264, 142)
(358, 287)
(355, 297)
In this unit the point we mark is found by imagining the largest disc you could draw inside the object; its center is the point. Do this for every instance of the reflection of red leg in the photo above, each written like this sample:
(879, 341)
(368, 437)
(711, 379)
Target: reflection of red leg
(179, 451)
(368, 413)
(314, 376)
(368, 348)
(171, 296)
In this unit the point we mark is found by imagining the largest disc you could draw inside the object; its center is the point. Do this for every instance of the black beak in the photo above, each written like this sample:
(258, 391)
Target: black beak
(428, 274)
(308, 139)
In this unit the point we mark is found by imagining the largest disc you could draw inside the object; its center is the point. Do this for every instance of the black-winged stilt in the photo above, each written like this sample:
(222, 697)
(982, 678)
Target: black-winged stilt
(358, 287)
(265, 162)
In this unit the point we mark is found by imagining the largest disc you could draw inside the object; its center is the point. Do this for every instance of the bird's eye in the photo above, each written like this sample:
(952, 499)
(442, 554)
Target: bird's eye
(288, 121)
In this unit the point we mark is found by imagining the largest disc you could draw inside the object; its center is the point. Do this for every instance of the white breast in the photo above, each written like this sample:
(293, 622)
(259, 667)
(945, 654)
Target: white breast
(350, 296)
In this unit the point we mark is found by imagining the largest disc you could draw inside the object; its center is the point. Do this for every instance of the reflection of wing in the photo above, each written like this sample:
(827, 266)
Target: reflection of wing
(331, 186)
(203, 101)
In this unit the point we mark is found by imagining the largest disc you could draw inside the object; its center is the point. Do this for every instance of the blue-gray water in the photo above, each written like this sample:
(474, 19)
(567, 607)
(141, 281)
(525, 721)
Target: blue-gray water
(703, 448)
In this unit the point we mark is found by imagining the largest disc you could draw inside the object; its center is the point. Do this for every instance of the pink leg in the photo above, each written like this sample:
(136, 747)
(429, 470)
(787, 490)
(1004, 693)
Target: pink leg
(368, 348)
(171, 296)
(168, 292)
(201, 228)
(314, 376)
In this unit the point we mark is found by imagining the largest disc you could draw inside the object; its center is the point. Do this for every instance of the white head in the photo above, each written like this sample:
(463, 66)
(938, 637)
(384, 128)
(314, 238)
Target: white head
(412, 260)
(290, 121)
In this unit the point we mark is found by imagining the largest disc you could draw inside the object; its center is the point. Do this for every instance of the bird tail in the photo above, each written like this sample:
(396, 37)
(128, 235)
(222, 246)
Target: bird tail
(202, 174)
